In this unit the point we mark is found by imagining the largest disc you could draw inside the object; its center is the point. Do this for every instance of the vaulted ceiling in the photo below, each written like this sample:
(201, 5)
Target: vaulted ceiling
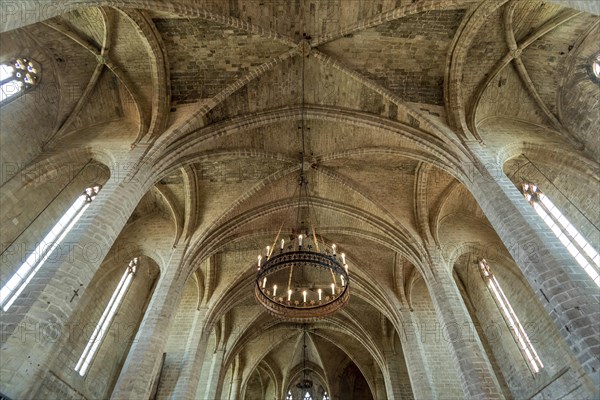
(393, 88)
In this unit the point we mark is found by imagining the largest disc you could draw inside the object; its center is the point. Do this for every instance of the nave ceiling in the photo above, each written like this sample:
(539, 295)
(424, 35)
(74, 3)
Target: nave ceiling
(211, 93)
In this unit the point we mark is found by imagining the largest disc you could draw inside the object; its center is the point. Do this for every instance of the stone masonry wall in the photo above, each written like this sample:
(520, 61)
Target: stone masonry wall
(107, 362)
(178, 339)
(429, 331)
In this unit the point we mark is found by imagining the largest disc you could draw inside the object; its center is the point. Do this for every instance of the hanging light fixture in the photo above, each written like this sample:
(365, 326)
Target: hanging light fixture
(305, 385)
(300, 277)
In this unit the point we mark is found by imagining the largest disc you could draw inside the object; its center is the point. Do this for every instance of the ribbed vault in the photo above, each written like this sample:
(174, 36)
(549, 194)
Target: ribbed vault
(199, 105)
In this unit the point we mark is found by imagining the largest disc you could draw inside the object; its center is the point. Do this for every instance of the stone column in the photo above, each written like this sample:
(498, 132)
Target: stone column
(209, 388)
(394, 371)
(38, 325)
(414, 356)
(568, 294)
(145, 355)
(476, 375)
(235, 388)
(392, 381)
(380, 388)
(236, 382)
(187, 382)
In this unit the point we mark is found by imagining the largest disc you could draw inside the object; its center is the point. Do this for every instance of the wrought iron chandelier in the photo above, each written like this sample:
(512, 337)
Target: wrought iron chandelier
(302, 278)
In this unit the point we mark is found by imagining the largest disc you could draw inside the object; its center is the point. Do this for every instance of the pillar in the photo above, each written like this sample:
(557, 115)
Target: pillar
(380, 388)
(145, 355)
(207, 389)
(392, 381)
(568, 294)
(236, 379)
(395, 373)
(475, 372)
(191, 365)
(39, 325)
(414, 356)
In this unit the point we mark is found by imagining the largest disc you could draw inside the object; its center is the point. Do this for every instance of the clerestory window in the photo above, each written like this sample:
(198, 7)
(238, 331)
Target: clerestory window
(583, 252)
(17, 77)
(594, 68)
(511, 318)
(106, 318)
(25, 273)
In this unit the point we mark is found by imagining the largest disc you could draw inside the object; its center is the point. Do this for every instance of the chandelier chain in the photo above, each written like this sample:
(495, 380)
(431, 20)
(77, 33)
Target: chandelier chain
(302, 182)
(302, 278)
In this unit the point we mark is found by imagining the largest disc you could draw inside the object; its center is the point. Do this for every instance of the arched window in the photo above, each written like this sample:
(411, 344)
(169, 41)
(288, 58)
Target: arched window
(307, 396)
(17, 77)
(106, 318)
(511, 318)
(594, 68)
(569, 236)
(289, 396)
(15, 285)
(325, 396)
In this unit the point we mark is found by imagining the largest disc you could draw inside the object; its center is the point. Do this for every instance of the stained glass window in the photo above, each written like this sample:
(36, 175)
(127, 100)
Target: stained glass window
(18, 76)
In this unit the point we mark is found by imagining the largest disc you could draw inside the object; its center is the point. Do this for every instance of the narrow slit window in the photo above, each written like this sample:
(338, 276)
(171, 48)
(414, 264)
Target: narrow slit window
(17, 283)
(594, 68)
(106, 318)
(511, 318)
(583, 252)
(17, 77)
